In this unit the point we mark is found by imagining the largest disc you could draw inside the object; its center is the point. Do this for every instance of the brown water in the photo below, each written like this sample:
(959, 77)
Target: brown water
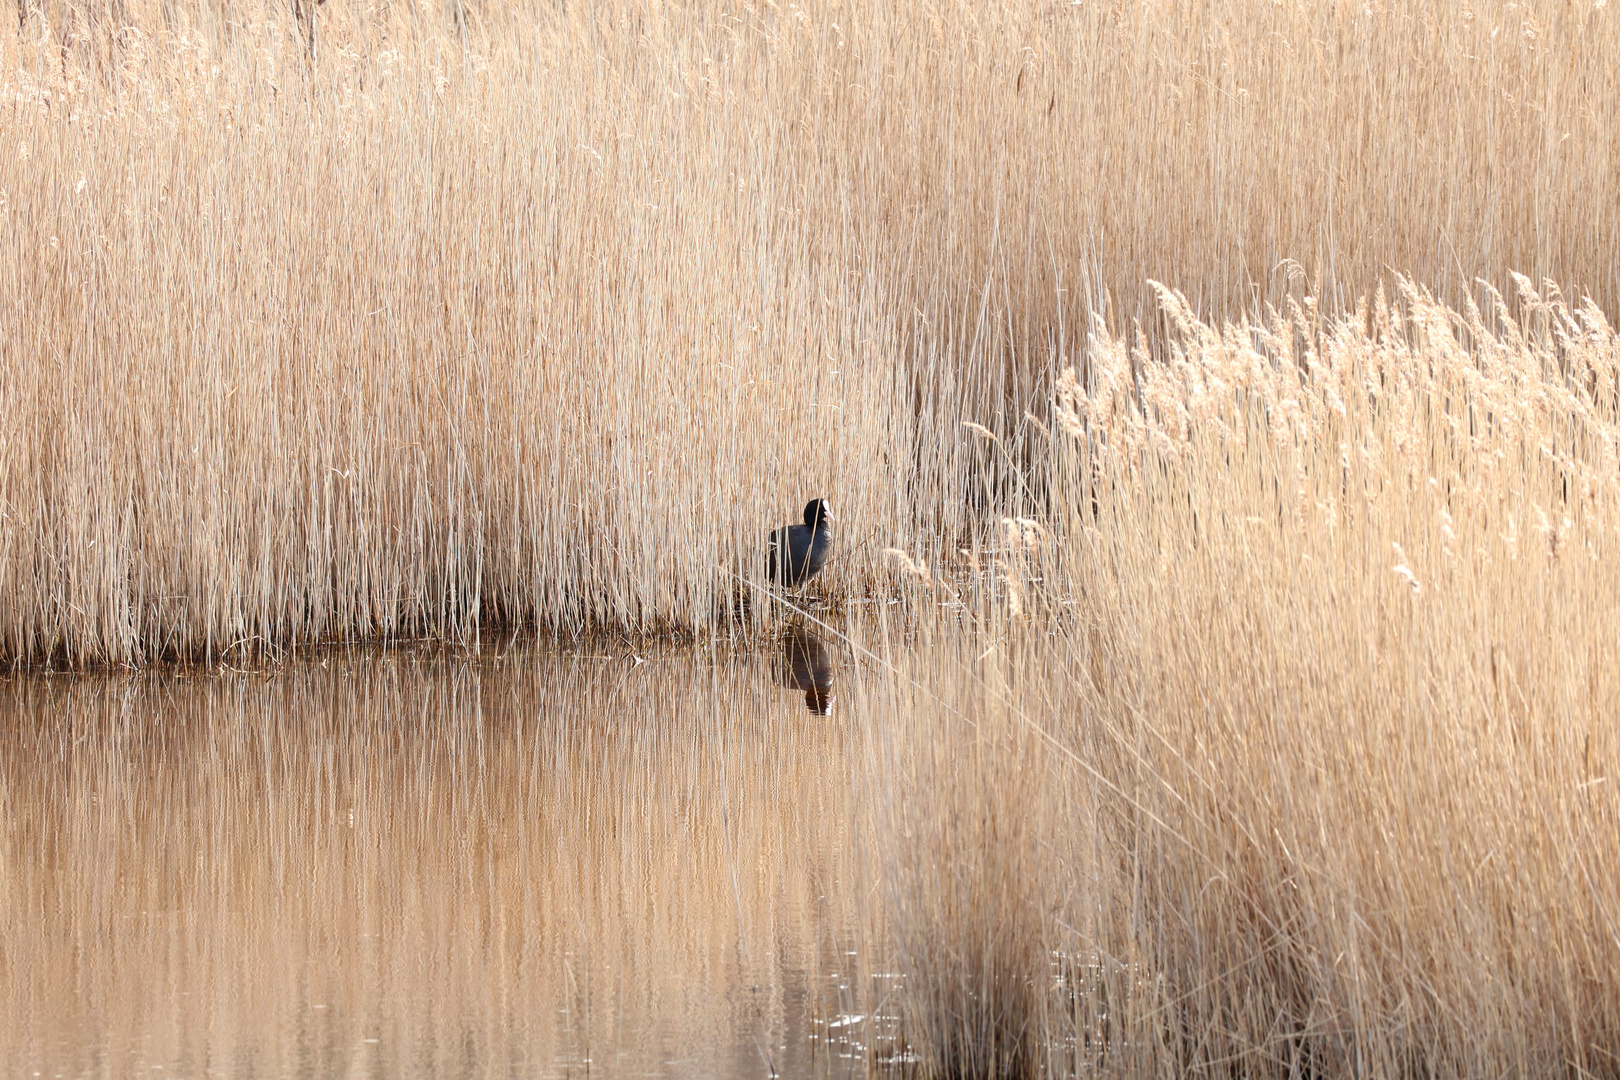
(537, 861)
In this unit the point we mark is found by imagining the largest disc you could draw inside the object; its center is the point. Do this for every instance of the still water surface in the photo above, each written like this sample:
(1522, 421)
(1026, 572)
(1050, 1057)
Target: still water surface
(531, 861)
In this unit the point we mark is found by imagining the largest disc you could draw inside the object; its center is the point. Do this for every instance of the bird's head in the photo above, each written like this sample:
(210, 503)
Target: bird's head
(816, 511)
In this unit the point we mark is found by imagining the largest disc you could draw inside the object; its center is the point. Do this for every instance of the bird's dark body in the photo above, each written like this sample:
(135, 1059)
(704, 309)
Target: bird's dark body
(798, 552)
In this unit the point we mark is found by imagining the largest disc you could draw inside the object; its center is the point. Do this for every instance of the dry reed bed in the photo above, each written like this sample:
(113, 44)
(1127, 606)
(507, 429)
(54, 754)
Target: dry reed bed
(1327, 785)
(496, 314)
(533, 318)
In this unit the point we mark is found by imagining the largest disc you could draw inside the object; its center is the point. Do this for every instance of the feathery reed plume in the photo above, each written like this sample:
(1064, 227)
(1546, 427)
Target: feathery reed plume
(1346, 731)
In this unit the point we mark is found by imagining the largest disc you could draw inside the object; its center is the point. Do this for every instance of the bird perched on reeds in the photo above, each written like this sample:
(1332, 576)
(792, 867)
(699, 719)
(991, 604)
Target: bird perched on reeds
(798, 552)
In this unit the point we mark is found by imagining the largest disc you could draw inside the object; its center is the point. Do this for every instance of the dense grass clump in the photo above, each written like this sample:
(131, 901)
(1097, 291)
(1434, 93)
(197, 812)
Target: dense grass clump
(1351, 651)
(1318, 773)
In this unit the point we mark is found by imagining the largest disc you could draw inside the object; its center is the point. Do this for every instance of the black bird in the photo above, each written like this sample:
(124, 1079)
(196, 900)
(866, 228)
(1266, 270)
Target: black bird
(798, 552)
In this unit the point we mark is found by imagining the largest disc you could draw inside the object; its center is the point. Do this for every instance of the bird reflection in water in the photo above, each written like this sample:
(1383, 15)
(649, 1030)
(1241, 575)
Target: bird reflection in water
(807, 664)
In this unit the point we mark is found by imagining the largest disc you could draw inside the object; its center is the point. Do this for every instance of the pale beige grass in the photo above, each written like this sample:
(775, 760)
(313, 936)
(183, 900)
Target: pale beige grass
(531, 318)
(1327, 783)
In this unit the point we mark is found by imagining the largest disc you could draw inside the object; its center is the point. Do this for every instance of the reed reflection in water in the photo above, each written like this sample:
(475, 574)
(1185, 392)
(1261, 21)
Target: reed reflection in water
(406, 863)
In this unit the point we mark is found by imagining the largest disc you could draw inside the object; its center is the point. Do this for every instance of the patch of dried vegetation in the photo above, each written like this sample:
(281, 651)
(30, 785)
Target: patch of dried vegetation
(362, 320)
(1323, 782)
